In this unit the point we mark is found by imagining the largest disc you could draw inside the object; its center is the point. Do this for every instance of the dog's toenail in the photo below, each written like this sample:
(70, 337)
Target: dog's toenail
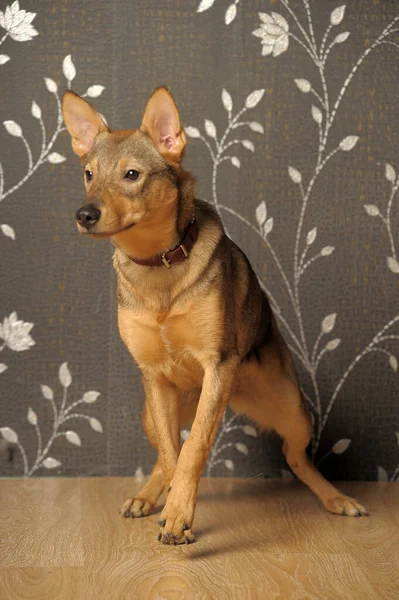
(159, 537)
(162, 522)
(186, 527)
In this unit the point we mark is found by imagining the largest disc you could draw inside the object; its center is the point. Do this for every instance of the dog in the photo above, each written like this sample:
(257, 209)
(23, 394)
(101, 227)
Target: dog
(190, 310)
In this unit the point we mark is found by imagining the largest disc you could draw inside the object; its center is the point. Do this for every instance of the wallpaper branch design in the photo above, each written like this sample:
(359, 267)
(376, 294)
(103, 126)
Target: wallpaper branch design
(62, 414)
(16, 333)
(18, 26)
(275, 34)
(46, 155)
(374, 211)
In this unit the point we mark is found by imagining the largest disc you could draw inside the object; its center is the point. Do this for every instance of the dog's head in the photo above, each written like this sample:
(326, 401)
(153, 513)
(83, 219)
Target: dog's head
(131, 177)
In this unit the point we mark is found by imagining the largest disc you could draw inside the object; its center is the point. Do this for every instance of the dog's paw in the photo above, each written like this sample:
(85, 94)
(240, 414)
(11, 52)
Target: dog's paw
(136, 507)
(343, 505)
(174, 538)
(176, 520)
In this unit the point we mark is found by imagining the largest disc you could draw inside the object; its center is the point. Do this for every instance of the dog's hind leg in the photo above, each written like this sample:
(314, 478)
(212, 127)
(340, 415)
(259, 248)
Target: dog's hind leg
(268, 393)
(296, 432)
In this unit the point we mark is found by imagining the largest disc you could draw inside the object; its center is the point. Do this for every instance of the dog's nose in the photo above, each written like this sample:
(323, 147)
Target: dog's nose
(88, 215)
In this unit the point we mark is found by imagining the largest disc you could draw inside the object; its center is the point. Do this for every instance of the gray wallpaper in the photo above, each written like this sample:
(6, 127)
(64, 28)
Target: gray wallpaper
(292, 113)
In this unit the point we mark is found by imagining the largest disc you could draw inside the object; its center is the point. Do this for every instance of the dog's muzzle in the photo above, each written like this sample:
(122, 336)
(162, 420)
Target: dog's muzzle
(88, 215)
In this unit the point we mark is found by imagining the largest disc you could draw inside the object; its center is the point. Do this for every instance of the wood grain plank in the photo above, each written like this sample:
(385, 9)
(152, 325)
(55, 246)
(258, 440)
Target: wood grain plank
(40, 523)
(256, 540)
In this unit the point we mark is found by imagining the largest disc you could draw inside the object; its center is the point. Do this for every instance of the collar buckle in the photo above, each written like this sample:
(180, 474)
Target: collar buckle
(165, 261)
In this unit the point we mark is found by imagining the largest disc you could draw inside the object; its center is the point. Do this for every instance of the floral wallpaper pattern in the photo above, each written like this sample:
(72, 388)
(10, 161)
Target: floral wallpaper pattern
(291, 114)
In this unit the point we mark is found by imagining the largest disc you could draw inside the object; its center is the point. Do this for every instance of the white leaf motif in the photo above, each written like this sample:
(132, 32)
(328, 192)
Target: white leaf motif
(68, 68)
(341, 37)
(328, 323)
(9, 435)
(257, 127)
(103, 118)
(235, 162)
(393, 264)
(204, 5)
(249, 430)
(36, 110)
(372, 210)
(50, 85)
(333, 344)
(248, 145)
(64, 375)
(337, 15)
(47, 392)
(192, 132)
(390, 172)
(382, 474)
(230, 15)
(254, 98)
(294, 175)
(210, 128)
(95, 424)
(32, 417)
(268, 226)
(317, 114)
(55, 158)
(310, 238)
(393, 362)
(280, 21)
(229, 464)
(341, 446)
(94, 91)
(242, 448)
(3, 368)
(303, 85)
(227, 100)
(90, 397)
(73, 438)
(261, 213)
(8, 231)
(327, 250)
(139, 473)
(4, 58)
(13, 128)
(50, 463)
(349, 142)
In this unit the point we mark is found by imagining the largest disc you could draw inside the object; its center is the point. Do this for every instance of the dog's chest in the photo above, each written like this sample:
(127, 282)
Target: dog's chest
(171, 345)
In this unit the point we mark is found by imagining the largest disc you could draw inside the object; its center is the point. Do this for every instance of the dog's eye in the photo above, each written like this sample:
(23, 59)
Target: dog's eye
(88, 175)
(132, 175)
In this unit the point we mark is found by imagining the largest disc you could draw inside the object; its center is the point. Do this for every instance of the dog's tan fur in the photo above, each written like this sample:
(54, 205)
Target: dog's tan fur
(201, 332)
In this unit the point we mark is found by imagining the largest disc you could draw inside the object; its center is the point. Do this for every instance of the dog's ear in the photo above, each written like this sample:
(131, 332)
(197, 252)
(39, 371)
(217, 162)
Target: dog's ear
(161, 122)
(82, 121)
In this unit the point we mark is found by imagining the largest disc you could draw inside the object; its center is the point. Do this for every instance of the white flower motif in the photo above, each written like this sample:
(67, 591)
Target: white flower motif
(15, 333)
(18, 23)
(274, 33)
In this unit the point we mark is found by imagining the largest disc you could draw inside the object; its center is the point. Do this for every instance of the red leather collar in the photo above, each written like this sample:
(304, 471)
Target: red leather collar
(176, 255)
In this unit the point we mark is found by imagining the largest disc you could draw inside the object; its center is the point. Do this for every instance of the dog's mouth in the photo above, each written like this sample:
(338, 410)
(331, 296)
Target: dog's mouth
(106, 234)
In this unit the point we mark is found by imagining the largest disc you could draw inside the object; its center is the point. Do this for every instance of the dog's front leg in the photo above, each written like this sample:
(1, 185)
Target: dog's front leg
(162, 401)
(178, 514)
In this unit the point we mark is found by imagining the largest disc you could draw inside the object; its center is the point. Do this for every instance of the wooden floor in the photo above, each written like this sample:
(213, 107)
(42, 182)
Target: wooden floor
(257, 539)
